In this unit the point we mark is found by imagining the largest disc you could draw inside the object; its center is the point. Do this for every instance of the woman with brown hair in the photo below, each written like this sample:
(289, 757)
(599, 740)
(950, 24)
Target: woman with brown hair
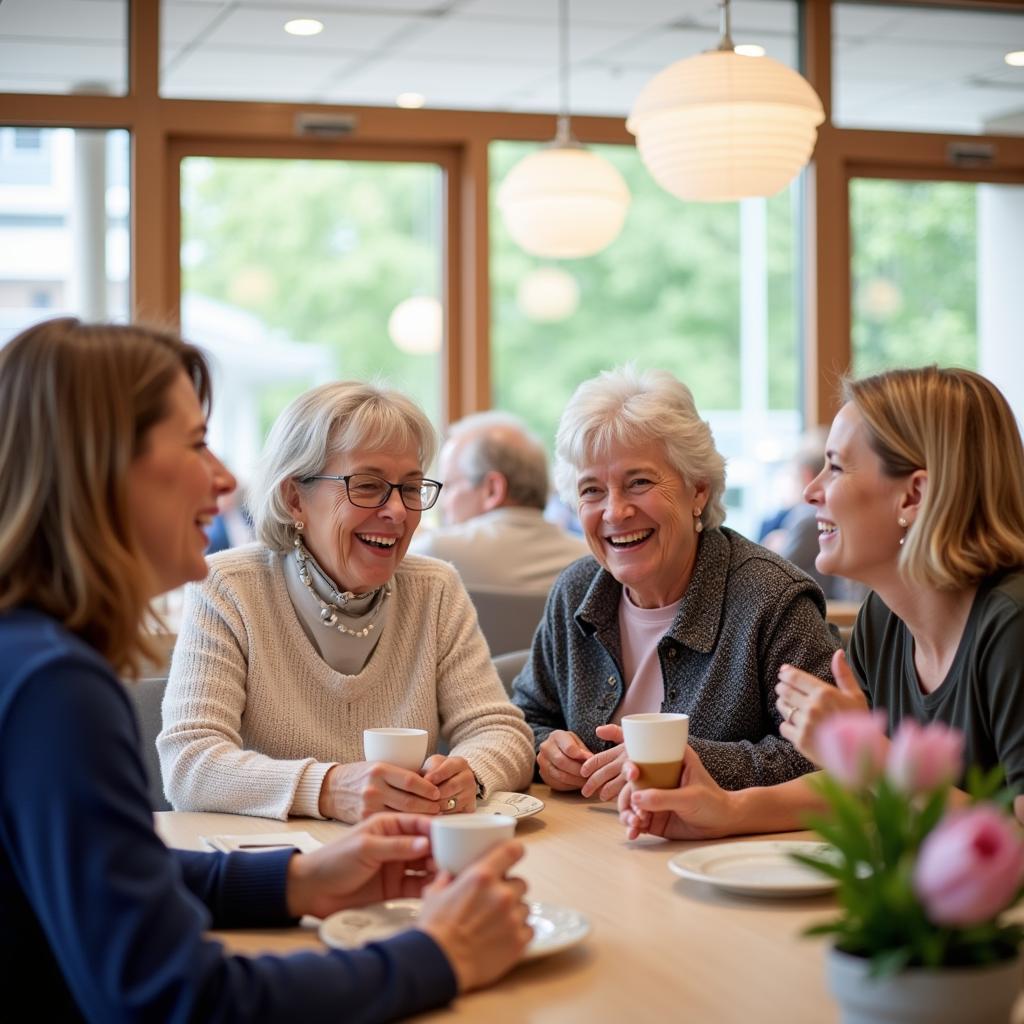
(107, 485)
(921, 498)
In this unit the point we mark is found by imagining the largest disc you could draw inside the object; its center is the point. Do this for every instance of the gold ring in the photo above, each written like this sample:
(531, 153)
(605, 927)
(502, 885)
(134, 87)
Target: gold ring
(451, 803)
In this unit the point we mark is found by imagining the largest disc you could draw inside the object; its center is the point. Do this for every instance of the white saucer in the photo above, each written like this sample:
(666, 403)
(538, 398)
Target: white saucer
(554, 928)
(515, 805)
(755, 868)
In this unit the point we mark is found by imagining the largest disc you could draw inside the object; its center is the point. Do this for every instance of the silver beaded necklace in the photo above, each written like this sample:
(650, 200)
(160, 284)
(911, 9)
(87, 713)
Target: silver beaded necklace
(331, 612)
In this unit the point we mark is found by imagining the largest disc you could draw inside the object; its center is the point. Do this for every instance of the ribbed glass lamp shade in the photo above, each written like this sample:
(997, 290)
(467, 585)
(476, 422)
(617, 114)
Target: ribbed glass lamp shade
(720, 126)
(563, 202)
(416, 325)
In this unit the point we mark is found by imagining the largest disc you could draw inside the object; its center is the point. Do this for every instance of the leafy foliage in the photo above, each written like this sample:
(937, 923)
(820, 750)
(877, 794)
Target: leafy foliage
(875, 837)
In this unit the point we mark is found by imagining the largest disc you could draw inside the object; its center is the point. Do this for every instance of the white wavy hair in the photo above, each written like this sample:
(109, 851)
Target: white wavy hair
(343, 416)
(632, 408)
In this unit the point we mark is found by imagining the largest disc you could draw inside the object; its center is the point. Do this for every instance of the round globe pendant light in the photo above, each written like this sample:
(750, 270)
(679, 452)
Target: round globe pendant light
(547, 295)
(563, 201)
(721, 126)
(416, 325)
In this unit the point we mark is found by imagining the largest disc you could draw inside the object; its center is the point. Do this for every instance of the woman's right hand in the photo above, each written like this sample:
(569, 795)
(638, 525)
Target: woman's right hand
(351, 792)
(479, 917)
(697, 809)
(560, 758)
(805, 702)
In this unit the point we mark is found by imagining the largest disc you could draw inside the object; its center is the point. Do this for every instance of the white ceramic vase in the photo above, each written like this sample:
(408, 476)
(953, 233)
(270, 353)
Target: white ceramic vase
(919, 995)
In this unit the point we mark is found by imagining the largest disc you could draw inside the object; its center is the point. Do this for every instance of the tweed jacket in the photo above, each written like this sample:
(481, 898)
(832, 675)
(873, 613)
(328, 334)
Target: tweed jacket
(745, 613)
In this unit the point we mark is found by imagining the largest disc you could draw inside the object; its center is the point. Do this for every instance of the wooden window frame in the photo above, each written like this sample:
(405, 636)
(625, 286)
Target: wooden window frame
(162, 130)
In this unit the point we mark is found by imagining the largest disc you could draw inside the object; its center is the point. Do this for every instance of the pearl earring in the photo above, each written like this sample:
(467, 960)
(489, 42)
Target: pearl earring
(699, 525)
(903, 523)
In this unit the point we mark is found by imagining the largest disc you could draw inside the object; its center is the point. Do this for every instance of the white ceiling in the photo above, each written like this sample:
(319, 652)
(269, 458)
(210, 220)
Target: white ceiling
(894, 67)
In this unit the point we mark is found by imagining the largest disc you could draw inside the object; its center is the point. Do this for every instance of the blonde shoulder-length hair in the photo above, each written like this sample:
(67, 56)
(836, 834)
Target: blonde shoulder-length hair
(343, 416)
(76, 403)
(958, 427)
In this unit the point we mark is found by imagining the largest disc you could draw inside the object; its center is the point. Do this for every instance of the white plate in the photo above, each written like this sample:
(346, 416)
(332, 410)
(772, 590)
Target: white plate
(515, 805)
(757, 868)
(554, 928)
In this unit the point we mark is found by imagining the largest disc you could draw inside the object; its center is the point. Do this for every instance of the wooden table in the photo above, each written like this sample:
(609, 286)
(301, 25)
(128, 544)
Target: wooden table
(661, 948)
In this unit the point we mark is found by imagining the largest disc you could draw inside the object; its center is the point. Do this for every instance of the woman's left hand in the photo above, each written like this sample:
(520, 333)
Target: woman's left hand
(456, 781)
(603, 771)
(369, 864)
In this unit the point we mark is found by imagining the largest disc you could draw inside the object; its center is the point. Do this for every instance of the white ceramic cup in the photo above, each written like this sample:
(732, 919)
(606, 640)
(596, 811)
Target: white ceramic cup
(406, 748)
(656, 744)
(456, 840)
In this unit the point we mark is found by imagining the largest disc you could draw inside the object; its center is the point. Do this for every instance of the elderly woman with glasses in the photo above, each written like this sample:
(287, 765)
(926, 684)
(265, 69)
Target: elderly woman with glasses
(292, 646)
(674, 612)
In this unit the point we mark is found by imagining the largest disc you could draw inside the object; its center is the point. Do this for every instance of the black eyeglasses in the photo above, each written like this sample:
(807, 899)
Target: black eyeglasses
(366, 490)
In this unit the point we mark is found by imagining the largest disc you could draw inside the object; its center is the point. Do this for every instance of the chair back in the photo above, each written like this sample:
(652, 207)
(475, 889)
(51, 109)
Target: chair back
(147, 695)
(508, 618)
(509, 666)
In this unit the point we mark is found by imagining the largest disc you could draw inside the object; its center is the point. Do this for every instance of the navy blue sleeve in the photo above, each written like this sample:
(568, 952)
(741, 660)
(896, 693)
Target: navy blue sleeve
(124, 917)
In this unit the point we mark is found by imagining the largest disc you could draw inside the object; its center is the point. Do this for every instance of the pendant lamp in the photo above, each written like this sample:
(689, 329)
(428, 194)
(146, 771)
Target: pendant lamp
(547, 295)
(563, 201)
(721, 126)
(416, 325)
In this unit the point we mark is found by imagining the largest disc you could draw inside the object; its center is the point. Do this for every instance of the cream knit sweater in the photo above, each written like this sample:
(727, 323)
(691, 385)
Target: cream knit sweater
(254, 717)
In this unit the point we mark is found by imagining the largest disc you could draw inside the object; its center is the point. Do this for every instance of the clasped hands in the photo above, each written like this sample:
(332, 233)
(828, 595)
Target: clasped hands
(351, 792)
(478, 918)
(566, 763)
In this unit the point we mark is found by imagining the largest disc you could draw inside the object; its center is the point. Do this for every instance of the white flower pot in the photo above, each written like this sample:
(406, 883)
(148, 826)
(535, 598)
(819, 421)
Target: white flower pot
(919, 995)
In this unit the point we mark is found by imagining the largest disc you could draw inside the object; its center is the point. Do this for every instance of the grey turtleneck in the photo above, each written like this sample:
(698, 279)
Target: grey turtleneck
(344, 653)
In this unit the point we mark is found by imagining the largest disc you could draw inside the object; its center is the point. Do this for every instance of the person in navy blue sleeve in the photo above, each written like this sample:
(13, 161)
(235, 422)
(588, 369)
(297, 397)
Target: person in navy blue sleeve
(108, 485)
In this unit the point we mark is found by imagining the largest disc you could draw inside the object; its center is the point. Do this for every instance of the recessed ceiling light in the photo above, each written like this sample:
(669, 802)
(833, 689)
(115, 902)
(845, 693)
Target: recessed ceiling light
(410, 100)
(1015, 58)
(749, 50)
(304, 27)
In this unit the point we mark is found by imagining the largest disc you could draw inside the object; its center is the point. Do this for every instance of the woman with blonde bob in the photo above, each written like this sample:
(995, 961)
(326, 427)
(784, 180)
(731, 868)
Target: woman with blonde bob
(292, 646)
(107, 486)
(921, 499)
(674, 612)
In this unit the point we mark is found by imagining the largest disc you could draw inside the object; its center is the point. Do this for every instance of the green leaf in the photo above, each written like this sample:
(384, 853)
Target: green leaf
(889, 962)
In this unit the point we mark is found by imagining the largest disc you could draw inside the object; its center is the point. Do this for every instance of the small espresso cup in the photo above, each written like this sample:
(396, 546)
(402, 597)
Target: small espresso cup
(456, 840)
(656, 744)
(406, 748)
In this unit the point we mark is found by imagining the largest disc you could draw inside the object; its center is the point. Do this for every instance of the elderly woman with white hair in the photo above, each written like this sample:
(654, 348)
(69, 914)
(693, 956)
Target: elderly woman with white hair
(292, 646)
(674, 612)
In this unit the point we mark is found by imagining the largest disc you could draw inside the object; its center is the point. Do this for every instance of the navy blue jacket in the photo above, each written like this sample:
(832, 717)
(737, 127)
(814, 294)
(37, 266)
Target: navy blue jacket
(106, 921)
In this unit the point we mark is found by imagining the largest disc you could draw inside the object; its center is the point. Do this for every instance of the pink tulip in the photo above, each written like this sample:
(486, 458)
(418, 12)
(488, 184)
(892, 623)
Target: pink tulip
(922, 759)
(970, 866)
(852, 747)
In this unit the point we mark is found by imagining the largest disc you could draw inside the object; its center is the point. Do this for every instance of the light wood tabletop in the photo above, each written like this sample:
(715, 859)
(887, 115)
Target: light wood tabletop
(661, 948)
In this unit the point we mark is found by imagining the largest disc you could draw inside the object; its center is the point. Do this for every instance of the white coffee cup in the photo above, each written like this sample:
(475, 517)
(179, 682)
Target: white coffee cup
(456, 840)
(656, 744)
(406, 748)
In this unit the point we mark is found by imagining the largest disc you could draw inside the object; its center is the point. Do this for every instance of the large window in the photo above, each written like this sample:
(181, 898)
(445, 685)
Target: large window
(292, 272)
(935, 277)
(64, 210)
(705, 290)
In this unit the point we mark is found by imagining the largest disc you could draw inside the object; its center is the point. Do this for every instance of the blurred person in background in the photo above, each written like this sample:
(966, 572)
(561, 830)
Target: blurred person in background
(496, 487)
(796, 536)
